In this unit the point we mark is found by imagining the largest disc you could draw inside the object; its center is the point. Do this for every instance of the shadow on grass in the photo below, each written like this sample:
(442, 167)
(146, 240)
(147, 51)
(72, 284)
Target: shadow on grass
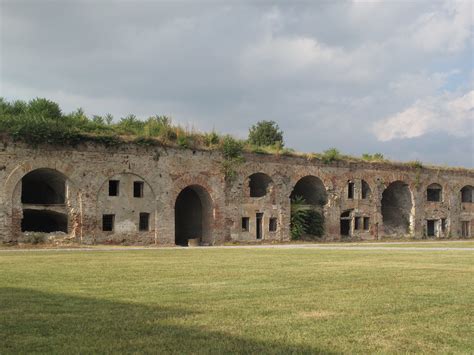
(32, 321)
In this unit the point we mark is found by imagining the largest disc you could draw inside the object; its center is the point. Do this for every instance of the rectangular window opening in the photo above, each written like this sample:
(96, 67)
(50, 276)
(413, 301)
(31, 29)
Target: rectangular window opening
(357, 223)
(138, 188)
(433, 195)
(272, 225)
(144, 224)
(350, 190)
(245, 224)
(366, 223)
(108, 221)
(114, 187)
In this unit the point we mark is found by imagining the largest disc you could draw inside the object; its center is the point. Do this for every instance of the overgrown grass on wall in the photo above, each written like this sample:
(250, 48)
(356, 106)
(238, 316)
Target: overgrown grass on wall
(41, 121)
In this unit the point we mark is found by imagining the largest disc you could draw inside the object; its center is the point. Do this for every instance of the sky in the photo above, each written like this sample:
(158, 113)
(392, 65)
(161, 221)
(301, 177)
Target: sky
(390, 77)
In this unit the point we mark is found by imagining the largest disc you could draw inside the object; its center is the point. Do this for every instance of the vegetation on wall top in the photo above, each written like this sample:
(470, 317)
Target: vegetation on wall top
(266, 133)
(41, 121)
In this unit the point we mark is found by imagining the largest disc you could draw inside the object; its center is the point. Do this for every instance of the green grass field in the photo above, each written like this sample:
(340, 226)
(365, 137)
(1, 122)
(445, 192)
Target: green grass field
(237, 300)
(410, 244)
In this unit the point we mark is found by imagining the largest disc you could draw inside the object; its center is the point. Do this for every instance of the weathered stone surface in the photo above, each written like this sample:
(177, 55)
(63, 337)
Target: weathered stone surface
(166, 172)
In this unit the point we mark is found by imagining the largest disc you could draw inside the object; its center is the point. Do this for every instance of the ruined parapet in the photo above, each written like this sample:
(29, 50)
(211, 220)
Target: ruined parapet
(162, 190)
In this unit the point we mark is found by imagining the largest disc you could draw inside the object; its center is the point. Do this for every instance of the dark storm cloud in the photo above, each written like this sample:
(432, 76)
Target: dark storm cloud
(326, 71)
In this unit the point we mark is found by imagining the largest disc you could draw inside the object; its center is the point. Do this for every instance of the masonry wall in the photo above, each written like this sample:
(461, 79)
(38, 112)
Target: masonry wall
(166, 172)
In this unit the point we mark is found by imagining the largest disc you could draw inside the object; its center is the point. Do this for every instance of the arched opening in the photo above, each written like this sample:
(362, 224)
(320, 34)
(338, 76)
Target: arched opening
(43, 187)
(434, 193)
(311, 189)
(365, 190)
(467, 194)
(259, 184)
(346, 220)
(396, 208)
(193, 216)
(43, 221)
(307, 216)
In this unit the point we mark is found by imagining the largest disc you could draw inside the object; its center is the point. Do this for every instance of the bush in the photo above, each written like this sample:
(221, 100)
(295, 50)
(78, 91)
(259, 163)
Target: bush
(265, 133)
(314, 223)
(331, 155)
(183, 141)
(130, 125)
(211, 139)
(231, 148)
(415, 164)
(35, 238)
(373, 157)
(44, 108)
(305, 221)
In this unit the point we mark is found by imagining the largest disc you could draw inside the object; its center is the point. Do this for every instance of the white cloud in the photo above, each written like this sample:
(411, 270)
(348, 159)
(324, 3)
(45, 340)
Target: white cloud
(446, 29)
(453, 115)
(420, 84)
(287, 55)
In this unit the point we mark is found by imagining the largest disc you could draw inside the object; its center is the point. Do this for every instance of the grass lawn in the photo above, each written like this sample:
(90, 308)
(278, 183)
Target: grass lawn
(408, 244)
(237, 300)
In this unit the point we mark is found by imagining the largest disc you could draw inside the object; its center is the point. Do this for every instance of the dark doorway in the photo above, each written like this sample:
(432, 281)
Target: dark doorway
(396, 208)
(346, 223)
(465, 232)
(259, 225)
(43, 221)
(43, 187)
(193, 215)
(430, 228)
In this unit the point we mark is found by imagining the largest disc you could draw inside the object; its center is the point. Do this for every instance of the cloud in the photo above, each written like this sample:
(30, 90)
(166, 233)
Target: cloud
(449, 28)
(325, 71)
(453, 115)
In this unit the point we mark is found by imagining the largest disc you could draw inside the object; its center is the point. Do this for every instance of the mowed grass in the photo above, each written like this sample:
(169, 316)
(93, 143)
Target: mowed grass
(409, 244)
(237, 300)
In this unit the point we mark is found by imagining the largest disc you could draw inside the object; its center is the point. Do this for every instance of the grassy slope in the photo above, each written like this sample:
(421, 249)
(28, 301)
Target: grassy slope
(239, 300)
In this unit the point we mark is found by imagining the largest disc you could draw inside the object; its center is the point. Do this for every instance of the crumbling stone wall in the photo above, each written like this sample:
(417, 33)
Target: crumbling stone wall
(166, 172)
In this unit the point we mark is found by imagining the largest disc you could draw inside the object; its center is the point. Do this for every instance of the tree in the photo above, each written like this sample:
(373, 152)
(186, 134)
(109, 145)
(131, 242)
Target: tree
(265, 133)
(44, 108)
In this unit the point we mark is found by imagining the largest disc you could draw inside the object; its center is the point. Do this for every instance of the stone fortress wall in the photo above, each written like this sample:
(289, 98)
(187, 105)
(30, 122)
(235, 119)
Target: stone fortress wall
(165, 196)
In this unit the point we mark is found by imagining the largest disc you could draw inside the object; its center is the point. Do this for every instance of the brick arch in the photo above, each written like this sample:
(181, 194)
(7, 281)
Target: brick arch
(14, 178)
(251, 169)
(326, 179)
(299, 177)
(199, 182)
(13, 196)
(259, 184)
(195, 179)
(446, 188)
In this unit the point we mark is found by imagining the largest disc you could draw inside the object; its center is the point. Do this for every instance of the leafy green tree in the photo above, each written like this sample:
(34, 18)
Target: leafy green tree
(44, 108)
(266, 133)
